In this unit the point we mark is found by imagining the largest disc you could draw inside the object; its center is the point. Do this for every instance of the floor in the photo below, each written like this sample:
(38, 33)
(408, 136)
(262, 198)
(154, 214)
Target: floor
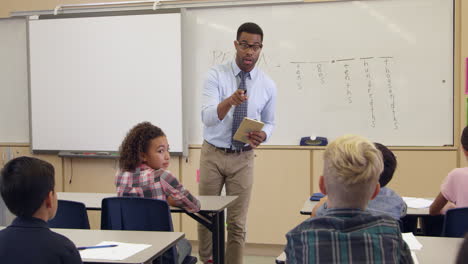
(251, 259)
(255, 253)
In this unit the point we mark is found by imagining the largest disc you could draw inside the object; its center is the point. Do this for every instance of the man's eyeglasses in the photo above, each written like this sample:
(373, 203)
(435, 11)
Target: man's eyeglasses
(245, 46)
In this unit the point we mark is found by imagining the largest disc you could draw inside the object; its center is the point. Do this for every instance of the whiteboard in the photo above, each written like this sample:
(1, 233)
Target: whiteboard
(94, 78)
(14, 111)
(382, 69)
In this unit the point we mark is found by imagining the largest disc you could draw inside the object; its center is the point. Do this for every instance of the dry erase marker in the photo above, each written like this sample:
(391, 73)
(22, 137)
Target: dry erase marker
(91, 247)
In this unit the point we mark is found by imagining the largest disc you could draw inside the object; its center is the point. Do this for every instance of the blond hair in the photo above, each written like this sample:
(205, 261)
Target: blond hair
(352, 168)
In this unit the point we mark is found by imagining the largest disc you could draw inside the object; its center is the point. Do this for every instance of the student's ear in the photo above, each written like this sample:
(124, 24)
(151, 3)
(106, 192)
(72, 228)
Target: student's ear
(49, 201)
(322, 187)
(376, 191)
(143, 157)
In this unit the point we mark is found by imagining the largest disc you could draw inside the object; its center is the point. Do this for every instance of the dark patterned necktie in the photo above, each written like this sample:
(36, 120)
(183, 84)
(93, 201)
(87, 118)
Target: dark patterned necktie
(239, 112)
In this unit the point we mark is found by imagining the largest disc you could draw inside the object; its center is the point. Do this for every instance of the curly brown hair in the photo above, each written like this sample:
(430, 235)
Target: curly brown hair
(137, 141)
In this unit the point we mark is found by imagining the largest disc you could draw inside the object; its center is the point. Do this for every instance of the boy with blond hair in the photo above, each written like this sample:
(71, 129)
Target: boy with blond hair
(347, 233)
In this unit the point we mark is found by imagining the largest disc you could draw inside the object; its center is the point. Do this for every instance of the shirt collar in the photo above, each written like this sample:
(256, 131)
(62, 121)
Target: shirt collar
(143, 166)
(31, 222)
(236, 70)
(344, 212)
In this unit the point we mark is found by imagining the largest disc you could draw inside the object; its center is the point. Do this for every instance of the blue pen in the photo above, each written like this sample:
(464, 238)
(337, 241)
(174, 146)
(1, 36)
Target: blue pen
(102, 246)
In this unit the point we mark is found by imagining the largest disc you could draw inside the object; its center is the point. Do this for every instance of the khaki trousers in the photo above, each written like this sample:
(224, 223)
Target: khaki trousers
(235, 170)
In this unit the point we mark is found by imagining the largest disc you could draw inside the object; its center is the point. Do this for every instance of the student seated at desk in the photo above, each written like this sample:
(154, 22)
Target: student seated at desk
(347, 233)
(144, 159)
(27, 187)
(453, 192)
(387, 201)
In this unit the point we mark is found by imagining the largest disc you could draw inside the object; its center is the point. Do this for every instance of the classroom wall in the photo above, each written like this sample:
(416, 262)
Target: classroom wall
(284, 176)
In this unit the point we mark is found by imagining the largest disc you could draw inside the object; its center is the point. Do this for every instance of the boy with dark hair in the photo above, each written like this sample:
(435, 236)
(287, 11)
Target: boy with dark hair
(27, 187)
(387, 201)
(347, 233)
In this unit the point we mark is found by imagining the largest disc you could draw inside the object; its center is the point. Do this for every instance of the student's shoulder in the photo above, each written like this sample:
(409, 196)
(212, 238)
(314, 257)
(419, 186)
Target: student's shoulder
(386, 192)
(3, 236)
(166, 176)
(384, 223)
(61, 239)
(64, 245)
(314, 223)
(459, 172)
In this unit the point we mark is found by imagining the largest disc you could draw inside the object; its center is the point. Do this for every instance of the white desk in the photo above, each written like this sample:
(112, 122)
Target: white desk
(309, 205)
(211, 214)
(438, 249)
(434, 250)
(160, 242)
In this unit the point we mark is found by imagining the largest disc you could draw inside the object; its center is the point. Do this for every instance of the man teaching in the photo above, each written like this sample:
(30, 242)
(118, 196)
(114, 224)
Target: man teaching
(231, 92)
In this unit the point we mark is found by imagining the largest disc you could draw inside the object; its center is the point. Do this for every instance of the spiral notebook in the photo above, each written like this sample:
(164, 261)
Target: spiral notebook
(247, 125)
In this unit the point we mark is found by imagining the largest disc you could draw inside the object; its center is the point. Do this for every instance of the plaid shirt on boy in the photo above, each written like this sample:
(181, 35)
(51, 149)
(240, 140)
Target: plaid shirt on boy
(347, 236)
(156, 184)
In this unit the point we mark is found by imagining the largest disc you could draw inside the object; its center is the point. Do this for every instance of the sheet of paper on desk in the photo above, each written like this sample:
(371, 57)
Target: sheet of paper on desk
(120, 252)
(414, 202)
(411, 240)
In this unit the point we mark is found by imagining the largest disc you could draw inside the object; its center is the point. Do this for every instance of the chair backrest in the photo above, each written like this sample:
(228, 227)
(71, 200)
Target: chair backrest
(456, 222)
(135, 213)
(70, 214)
(140, 214)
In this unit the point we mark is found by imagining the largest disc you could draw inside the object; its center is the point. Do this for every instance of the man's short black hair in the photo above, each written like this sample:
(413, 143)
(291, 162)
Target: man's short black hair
(25, 183)
(390, 164)
(251, 28)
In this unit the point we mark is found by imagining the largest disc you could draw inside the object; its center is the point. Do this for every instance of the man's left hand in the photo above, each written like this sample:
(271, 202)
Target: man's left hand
(256, 138)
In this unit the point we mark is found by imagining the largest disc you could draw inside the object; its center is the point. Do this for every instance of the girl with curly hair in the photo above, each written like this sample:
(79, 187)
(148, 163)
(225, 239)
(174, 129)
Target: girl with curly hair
(144, 159)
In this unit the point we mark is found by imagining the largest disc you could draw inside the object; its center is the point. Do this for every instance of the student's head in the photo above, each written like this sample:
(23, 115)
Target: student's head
(390, 164)
(144, 143)
(464, 140)
(352, 166)
(248, 45)
(27, 186)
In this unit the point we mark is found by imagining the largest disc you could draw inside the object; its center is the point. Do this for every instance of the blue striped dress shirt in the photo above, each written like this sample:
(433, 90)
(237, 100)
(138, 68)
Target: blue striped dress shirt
(221, 82)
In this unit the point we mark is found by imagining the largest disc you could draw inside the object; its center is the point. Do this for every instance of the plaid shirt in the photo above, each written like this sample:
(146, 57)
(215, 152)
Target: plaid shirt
(156, 184)
(347, 236)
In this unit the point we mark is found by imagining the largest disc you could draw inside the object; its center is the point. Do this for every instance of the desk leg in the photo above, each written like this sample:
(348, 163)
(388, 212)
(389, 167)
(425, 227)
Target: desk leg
(218, 237)
(215, 223)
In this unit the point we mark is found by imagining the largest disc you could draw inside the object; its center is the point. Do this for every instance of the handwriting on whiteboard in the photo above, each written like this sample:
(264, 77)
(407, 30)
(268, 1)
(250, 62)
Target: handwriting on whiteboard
(352, 74)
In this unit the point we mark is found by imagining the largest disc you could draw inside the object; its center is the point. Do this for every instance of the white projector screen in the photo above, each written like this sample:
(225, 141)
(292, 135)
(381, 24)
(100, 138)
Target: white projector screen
(93, 78)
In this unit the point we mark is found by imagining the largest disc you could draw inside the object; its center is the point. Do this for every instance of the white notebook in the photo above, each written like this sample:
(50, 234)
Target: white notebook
(247, 125)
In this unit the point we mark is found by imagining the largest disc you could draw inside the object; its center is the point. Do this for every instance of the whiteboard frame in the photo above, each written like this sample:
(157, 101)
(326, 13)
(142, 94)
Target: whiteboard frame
(111, 154)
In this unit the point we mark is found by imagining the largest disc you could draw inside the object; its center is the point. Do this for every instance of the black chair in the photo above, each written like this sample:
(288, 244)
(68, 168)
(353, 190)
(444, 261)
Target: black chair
(456, 222)
(70, 215)
(140, 214)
